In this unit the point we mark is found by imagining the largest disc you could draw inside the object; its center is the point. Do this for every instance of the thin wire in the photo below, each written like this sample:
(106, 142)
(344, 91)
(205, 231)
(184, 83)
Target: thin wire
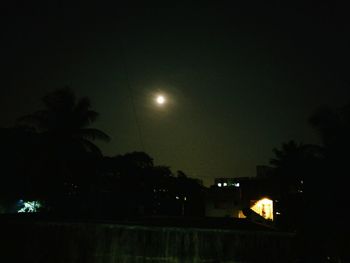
(131, 94)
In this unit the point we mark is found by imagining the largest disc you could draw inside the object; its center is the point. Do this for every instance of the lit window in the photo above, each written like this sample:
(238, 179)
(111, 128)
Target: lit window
(263, 207)
(241, 214)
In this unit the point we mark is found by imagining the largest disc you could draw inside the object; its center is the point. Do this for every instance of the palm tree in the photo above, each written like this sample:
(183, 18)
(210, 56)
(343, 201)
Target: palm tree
(66, 119)
(297, 169)
(66, 153)
(333, 126)
(295, 164)
(293, 155)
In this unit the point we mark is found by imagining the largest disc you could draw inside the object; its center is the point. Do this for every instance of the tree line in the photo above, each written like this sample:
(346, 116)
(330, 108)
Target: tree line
(321, 173)
(50, 155)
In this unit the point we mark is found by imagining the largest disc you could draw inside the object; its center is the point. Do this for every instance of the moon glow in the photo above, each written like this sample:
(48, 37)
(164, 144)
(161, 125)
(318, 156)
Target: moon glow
(160, 99)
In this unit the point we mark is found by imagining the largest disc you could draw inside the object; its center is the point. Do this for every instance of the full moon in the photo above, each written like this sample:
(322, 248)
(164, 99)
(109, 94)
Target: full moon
(160, 99)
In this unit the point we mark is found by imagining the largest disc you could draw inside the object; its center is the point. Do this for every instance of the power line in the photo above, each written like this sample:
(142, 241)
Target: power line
(131, 94)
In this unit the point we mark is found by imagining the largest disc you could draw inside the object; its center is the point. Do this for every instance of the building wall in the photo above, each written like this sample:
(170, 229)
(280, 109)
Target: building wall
(223, 202)
(59, 242)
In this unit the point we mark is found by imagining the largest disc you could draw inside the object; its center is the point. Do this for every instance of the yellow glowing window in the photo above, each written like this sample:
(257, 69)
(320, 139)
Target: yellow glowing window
(263, 207)
(240, 214)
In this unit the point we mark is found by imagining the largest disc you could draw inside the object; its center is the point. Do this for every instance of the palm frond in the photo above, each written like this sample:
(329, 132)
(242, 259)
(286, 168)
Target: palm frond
(84, 115)
(60, 99)
(91, 147)
(38, 119)
(93, 134)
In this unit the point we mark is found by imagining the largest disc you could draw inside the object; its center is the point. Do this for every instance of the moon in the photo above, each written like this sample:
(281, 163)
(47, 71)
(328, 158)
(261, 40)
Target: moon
(160, 100)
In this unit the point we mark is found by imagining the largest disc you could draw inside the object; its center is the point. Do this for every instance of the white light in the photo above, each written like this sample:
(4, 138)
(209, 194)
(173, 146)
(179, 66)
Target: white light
(160, 99)
(225, 184)
(30, 207)
(185, 198)
(219, 184)
(236, 184)
(177, 197)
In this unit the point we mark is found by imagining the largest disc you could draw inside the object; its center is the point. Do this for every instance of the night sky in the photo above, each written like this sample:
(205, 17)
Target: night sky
(239, 80)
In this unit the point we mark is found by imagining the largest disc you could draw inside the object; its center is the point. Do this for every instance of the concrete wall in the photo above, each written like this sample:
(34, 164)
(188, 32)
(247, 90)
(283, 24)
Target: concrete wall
(54, 242)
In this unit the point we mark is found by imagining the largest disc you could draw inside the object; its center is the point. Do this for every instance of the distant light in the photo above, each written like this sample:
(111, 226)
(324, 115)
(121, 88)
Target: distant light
(278, 213)
(236, 184)
(241, 214)
(177, 197)
(29, 207)
(219, 184)
(160, 99)
(185, 198)
(225, 184)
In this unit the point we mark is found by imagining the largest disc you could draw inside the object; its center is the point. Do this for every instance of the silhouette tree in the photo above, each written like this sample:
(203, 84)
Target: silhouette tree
(191, 194)
(138, 187)
(296, 169)
(66, 120)
(326, 228)
(66, 153)
(293, 161)
(126, 183)
(316, 214)
(333, 126)
(16, 154)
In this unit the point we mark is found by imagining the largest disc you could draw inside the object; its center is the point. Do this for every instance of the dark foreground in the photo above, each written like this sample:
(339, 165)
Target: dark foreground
(35, 239)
